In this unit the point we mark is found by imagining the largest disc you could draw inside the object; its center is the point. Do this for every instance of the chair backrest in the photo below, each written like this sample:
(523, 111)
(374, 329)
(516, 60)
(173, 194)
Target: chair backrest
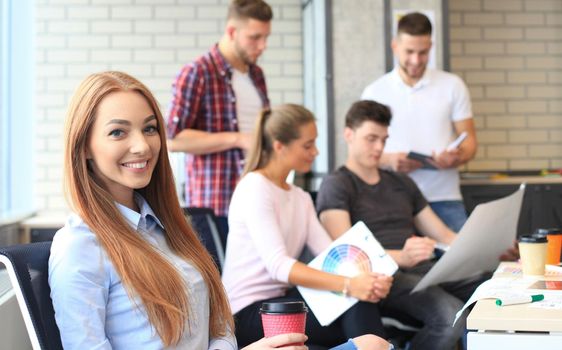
(28, 268)
(204, 222)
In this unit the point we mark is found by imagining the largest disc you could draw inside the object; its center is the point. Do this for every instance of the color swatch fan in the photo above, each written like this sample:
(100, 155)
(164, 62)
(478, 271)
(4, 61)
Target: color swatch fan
(355, 252)
(347, 260)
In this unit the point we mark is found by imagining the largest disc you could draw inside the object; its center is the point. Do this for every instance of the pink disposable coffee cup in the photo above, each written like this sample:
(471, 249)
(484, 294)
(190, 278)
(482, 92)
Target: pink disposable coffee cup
(283, 317)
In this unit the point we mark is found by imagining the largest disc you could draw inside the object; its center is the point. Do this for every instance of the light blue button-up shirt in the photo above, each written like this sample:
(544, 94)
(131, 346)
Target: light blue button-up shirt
(92, 308)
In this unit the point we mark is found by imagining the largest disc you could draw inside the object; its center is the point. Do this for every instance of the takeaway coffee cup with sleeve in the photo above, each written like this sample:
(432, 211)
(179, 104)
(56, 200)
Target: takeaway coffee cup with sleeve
(533, 254)
(283, 317)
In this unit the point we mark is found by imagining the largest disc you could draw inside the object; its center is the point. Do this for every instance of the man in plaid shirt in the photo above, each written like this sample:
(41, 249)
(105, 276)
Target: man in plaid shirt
(215, 102)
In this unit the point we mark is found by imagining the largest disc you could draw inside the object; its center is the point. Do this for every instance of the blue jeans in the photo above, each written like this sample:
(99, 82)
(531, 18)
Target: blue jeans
(452, 213)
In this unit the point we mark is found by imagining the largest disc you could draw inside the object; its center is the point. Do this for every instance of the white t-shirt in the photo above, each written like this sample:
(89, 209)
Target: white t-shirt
(268, 230)
(422, 121)
(248, 101)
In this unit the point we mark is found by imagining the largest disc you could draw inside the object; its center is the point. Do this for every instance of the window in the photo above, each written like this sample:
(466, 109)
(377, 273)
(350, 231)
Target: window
(16, 107)
(4, 98)
(318, 82)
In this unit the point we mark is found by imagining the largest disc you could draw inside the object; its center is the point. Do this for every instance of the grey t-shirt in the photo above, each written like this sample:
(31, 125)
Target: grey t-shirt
(388, 208)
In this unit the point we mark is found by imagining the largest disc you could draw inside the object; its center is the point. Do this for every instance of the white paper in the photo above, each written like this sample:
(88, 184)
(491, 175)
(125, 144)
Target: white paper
(515, 270)
(457, 142)
(498, 288)
(489, 231)
(552, 300)
(356, 251)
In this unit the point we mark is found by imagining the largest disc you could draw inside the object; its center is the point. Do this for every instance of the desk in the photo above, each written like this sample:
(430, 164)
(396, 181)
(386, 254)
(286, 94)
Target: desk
(42, 228)
(541, 202)
(514, 327)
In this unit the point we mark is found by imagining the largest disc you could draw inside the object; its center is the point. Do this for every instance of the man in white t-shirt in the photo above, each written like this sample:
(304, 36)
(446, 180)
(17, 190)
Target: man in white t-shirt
(430, 109)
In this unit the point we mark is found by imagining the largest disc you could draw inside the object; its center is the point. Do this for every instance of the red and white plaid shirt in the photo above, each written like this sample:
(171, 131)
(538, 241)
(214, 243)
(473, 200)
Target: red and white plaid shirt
(203, 99)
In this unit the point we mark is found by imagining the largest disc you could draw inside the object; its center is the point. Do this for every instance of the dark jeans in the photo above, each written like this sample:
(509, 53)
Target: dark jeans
(452, 213)
(435, 306)
(362, 318)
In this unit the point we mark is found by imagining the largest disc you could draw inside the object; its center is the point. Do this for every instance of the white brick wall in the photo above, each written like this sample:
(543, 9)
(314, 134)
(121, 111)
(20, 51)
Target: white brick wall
(151, 39)
(510, 53)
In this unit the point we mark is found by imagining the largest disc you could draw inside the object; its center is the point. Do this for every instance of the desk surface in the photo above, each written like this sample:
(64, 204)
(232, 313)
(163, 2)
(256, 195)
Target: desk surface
(45, 221)
(486, 315)
(512, 180)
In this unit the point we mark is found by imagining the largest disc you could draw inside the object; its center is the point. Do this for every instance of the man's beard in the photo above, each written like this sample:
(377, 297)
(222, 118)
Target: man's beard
(243, 56)
(405, 71)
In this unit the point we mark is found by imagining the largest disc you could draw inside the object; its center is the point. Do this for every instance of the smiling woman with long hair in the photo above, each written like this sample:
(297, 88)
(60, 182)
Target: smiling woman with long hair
(127, 270)
(121, 261)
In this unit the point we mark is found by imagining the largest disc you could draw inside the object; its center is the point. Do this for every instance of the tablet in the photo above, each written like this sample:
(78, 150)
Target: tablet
(426, 160)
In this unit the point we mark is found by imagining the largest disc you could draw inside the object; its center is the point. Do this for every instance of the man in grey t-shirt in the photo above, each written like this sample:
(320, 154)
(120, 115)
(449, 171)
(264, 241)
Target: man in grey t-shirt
(393, 208)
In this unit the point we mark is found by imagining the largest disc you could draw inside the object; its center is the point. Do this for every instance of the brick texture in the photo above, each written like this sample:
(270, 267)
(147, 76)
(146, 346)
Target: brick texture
(514, 68)
(150, 39)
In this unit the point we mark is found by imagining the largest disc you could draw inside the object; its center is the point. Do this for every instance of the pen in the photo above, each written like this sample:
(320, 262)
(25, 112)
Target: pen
(520, 300)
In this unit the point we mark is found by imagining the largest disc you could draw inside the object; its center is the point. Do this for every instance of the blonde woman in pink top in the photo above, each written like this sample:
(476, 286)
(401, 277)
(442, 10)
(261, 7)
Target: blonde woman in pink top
(271, 222)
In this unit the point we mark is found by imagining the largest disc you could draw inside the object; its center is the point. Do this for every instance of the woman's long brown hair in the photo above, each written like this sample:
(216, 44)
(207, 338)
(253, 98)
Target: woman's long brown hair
(145, 273)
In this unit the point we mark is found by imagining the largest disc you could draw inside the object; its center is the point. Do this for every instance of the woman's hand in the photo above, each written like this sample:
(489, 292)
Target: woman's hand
(277, 342)
(370, 287)
(382, 286)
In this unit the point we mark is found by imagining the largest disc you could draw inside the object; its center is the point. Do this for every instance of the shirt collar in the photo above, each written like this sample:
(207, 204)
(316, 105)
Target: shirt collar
(146, 213)
(425, 79)
(222, 64)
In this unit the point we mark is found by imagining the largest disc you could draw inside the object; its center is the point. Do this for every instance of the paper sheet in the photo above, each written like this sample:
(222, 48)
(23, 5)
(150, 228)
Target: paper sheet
(550, 270)
(514, 288)
(501, 287)
(552, 301)
(489, 231)
(355, 252)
